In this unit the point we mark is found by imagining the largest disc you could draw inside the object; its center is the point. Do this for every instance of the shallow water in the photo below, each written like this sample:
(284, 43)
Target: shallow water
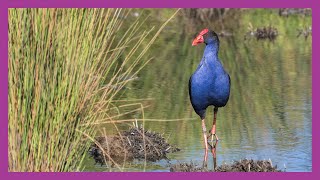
(268, 115)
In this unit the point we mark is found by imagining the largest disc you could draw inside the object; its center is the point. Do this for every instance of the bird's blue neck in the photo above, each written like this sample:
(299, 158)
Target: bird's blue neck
(212, 49)
(210, 58)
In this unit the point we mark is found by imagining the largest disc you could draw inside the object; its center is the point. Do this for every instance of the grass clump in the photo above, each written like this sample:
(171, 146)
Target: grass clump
(64, 65)
(135, 143)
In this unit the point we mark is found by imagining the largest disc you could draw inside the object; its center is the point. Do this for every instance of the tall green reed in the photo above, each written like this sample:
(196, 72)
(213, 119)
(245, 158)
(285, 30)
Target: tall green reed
(65, 68)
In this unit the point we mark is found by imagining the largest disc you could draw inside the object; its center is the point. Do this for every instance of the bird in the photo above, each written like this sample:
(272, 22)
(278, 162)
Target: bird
(209, 85)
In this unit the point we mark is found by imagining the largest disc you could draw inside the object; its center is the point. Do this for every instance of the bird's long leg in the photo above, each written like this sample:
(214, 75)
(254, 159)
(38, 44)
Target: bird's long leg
(213, 130)
(204, 130)
(214, 154)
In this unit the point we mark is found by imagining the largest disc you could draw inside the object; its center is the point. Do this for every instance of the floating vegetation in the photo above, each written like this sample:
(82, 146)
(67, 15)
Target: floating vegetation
(135, 143)
(290, 11)
(305, 32)
(243, 165)
(266, 32)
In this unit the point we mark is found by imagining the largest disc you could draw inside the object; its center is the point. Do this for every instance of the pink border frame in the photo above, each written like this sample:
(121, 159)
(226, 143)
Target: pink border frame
(156, 4)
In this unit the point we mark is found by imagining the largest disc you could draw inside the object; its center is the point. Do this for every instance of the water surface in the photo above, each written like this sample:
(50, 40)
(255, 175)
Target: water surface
(268, 115)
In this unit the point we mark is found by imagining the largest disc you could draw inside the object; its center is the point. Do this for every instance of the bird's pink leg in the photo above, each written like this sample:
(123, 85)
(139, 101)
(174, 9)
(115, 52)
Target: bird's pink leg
(213, 130)
(214, 154)
(204, 130)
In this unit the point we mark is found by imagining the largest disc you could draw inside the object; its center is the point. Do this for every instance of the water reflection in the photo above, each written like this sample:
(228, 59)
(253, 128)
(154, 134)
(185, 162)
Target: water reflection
(269, 111)
(213, 149)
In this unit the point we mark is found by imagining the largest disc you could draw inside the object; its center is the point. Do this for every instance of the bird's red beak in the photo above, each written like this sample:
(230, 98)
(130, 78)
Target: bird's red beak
(199, 39)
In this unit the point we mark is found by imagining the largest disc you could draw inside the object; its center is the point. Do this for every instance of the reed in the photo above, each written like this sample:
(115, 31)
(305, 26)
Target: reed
(66, 67)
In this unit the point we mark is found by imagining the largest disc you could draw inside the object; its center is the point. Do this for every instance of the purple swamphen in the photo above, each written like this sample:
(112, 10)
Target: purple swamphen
(209, 84)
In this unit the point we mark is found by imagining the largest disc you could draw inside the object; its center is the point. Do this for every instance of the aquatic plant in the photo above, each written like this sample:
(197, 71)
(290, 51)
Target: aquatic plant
(65, 68)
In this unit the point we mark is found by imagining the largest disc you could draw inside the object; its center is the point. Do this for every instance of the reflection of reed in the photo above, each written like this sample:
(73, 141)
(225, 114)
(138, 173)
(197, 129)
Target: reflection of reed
(213, 148)
(203, 15)
(194, 18)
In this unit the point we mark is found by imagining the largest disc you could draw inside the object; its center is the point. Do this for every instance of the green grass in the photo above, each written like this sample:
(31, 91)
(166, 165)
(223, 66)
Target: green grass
(64, 65)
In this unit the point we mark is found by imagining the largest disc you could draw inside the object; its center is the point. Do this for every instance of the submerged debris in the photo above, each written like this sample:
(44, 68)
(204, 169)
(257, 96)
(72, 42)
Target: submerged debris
(266, 32)
(132, 144)
(244, 165)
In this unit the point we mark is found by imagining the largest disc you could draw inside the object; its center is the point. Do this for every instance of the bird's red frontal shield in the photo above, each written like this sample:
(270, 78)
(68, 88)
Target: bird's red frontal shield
(199, 39)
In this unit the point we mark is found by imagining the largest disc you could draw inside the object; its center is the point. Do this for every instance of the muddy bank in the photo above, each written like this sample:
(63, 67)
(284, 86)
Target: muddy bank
(244, 165)
(132, 144)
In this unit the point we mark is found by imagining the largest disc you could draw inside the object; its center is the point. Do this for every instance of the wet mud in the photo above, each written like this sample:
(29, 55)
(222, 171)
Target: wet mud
(243, 165)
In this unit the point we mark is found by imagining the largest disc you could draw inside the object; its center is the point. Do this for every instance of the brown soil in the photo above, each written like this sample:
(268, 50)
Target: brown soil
(244, 165)
(132, 144)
